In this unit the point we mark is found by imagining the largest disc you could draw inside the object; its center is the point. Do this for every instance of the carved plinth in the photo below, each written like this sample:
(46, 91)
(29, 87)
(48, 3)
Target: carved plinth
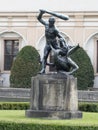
(54, 96)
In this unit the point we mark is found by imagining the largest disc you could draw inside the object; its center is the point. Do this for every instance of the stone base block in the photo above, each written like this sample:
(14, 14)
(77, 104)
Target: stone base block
(53, 114)
(54, 96)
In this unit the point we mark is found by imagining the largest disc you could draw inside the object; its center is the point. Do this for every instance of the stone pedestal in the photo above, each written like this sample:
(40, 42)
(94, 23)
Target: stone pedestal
(54, 96)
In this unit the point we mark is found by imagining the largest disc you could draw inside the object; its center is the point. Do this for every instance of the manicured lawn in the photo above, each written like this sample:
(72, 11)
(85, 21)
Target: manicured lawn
(89, 119)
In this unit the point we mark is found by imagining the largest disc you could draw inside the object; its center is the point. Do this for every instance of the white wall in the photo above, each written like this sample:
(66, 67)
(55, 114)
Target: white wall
(55, 5)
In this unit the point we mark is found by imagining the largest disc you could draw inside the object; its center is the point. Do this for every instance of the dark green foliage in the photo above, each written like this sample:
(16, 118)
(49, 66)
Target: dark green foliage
(83, 106)
(88, 107)
(24, 67)
(14, 105)
(37, 126)
(85, 74)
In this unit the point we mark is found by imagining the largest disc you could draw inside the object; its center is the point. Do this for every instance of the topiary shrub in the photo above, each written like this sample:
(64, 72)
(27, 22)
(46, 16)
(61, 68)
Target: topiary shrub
(85, 73)
(24, 67)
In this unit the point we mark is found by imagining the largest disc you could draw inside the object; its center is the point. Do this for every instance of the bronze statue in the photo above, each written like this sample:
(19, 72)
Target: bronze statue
(61, 51)
(62, 61)
(51, 33)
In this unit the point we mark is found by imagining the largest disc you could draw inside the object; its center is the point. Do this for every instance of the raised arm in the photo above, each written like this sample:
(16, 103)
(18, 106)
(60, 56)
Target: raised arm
(39, 17)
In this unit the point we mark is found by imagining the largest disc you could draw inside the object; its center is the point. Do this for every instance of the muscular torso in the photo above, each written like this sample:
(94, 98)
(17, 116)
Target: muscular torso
(50, 33)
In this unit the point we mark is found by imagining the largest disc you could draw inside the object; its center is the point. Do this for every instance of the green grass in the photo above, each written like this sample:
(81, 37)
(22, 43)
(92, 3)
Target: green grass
(18, 116)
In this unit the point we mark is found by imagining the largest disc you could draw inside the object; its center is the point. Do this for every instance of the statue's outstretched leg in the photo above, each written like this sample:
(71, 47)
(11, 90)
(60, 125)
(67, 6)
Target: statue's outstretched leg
(44, 60)
(43, 67)
(73, 65)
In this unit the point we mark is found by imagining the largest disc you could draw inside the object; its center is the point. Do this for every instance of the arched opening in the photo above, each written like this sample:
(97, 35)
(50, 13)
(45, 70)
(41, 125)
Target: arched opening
(91, 47)
(10, 44)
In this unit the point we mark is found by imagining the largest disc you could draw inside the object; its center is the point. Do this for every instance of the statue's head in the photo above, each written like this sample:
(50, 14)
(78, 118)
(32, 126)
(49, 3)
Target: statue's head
(51, 21)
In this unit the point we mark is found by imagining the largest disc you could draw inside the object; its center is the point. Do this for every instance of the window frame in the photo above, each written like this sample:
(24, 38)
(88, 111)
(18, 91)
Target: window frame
(2, 39)
(95, 60)
(96, 56)
(11, 55)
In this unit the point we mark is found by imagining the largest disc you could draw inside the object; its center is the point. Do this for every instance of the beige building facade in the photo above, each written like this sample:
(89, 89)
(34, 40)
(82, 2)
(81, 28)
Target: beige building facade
(18, 29)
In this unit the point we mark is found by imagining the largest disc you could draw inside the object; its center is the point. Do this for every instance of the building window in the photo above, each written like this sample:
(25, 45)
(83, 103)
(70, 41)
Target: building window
(11, 48)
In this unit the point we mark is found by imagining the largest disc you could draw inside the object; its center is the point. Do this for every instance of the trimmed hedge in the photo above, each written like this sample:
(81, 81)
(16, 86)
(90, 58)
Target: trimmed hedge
(88, 107)
(14, 105)
(31, 126)
(83, 106)
(85, 73)
(25, 66)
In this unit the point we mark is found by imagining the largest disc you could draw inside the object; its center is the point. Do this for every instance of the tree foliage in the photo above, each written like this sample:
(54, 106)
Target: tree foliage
(24, 67)
(85, 74)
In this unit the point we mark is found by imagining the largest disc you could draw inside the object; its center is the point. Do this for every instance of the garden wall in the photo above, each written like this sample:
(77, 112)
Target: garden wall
(23, 95)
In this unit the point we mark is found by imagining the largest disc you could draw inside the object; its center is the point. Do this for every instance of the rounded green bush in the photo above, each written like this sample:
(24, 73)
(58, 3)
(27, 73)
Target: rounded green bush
(85, 73)
(24, 67)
